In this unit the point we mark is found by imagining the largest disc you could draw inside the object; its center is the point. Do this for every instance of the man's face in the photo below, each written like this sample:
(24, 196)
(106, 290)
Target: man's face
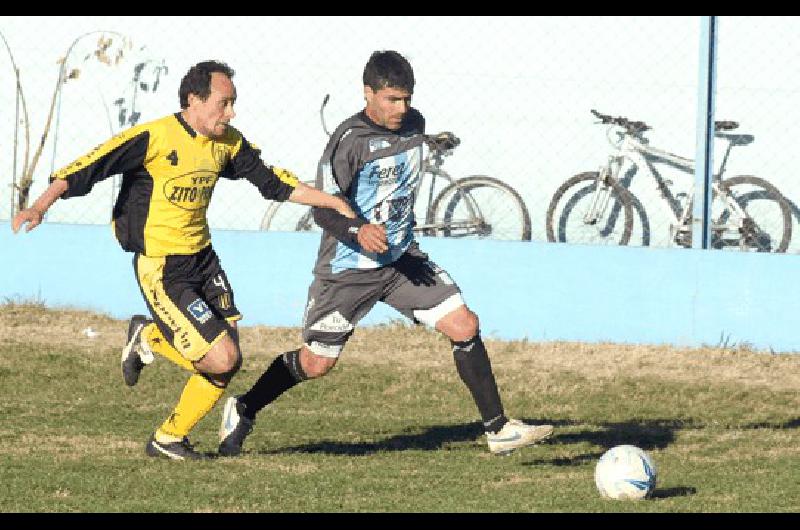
(387, 106)
(211, 117)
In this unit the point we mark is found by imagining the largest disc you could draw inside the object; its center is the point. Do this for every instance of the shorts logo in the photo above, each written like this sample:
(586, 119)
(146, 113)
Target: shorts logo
(332, 323)
(200, 311)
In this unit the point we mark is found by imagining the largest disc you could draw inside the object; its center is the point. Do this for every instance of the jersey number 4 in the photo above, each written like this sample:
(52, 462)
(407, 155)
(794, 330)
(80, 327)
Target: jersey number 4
(173, 157)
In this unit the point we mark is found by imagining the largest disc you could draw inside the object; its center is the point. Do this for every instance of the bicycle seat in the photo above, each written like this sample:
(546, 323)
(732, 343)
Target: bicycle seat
(725, 125)
(737, 139)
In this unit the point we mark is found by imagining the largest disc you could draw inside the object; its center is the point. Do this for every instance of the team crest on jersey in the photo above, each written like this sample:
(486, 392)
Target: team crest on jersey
(220, 154)
(375, 144)
(200, 311)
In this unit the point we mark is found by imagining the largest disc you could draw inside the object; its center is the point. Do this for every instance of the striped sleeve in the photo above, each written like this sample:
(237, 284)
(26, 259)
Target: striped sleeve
(272, 182)
(120, 154)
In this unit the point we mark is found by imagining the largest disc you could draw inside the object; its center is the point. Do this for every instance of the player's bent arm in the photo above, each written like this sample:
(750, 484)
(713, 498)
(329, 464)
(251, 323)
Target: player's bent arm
(305, 194)
(34, 214)
(368, 236)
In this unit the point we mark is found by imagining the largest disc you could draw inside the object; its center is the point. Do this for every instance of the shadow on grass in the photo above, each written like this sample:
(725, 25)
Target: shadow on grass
(791, 424)
(647, 434)
(430, 439)
(678, 491)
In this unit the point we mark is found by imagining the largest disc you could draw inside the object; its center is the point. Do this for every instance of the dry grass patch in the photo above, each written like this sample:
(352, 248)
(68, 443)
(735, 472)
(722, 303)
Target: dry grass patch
(404, 345)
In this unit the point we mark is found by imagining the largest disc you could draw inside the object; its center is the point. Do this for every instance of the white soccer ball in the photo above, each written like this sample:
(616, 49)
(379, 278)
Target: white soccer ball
(625, 472)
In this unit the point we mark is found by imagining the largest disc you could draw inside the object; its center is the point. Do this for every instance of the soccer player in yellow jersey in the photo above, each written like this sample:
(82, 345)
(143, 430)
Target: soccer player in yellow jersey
(169, 169)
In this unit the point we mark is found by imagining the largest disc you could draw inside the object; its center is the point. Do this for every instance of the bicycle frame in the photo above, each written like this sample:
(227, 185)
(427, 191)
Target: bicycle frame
(433, 167)
(641, 155)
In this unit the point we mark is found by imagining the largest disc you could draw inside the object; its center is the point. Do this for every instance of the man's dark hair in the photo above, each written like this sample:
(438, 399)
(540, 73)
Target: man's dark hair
(388, 69)
(197, 80)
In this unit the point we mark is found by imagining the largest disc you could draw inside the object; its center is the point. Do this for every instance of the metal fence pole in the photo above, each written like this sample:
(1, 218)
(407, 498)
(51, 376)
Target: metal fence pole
(704, 160)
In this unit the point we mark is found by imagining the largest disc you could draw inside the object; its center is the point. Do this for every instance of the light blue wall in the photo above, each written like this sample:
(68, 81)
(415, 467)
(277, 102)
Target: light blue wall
(534, 290)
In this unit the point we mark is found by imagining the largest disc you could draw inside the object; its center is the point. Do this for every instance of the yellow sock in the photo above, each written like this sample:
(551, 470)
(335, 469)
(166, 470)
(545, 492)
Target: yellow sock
(197, 399)
(160, 345)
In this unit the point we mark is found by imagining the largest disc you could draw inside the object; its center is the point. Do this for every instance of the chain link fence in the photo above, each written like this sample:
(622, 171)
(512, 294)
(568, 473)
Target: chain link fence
(517, 91)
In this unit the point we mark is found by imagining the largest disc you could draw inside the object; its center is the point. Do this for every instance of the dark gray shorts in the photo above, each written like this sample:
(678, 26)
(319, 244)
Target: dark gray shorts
(414, 285)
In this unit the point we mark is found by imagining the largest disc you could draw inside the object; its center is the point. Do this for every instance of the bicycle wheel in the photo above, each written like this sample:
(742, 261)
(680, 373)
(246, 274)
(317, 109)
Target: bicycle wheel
(480, 206)
(765, 224)
(579, 215)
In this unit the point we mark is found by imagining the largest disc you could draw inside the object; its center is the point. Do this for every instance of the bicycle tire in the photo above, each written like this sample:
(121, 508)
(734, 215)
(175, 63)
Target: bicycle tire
(610, 230)
(306, 223)
(767, 203)
(269, 215)
(280, 215)
(513, 223)
(287, 216)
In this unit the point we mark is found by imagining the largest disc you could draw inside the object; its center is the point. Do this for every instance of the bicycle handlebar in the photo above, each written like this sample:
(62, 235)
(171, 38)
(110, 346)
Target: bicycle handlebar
(634, 127)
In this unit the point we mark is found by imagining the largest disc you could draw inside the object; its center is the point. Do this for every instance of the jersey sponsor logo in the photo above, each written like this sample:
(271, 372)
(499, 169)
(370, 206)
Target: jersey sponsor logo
(332, 323)
(191, 191)
(376, 144)
(386, 174)
(200, 311)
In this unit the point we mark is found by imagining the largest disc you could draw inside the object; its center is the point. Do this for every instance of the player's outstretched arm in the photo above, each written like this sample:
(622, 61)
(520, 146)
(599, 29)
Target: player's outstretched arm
(305, 194)
(34, 214)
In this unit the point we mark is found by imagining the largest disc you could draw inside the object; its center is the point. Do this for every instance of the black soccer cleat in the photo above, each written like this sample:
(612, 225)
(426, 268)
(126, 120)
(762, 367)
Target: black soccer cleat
(182, 450)
(234, 428)
(134, 357)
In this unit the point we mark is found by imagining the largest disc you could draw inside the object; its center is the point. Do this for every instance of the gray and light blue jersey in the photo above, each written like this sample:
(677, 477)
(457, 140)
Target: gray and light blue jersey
(378, 171)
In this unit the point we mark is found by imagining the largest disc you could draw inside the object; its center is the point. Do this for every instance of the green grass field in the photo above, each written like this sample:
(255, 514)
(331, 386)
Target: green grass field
(393, 429)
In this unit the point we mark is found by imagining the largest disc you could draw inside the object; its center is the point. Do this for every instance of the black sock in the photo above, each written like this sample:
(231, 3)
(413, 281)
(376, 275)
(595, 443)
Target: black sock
(472, 363)
(284, 372)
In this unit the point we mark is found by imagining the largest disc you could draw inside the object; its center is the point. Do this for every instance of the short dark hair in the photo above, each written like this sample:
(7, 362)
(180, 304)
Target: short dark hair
(388, 69)
(197, 80)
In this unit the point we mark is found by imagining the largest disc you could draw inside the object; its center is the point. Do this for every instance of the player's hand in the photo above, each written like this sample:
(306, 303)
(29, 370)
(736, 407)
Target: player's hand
(372, 238)
(419, 270)
(32, 216)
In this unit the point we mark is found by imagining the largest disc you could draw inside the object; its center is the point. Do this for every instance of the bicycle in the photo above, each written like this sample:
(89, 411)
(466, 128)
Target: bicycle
(747, 212)
(474, 206)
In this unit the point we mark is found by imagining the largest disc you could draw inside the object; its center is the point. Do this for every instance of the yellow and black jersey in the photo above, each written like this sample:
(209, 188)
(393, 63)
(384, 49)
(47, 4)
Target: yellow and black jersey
(168, 175)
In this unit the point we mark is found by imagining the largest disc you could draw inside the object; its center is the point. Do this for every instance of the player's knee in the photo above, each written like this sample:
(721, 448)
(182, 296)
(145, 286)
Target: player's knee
(223, 358)
(460, 325)
(315, 365)
(230, 359)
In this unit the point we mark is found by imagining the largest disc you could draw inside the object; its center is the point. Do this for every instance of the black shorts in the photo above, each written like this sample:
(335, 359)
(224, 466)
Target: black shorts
(189, 297)
(413, 285)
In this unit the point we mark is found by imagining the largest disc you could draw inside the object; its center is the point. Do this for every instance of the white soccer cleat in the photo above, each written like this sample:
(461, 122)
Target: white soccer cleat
(135, 355)
(516, 434)
(234, 428)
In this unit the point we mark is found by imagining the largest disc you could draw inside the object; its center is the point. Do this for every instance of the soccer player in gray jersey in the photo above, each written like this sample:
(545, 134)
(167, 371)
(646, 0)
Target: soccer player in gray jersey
(374, 159)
